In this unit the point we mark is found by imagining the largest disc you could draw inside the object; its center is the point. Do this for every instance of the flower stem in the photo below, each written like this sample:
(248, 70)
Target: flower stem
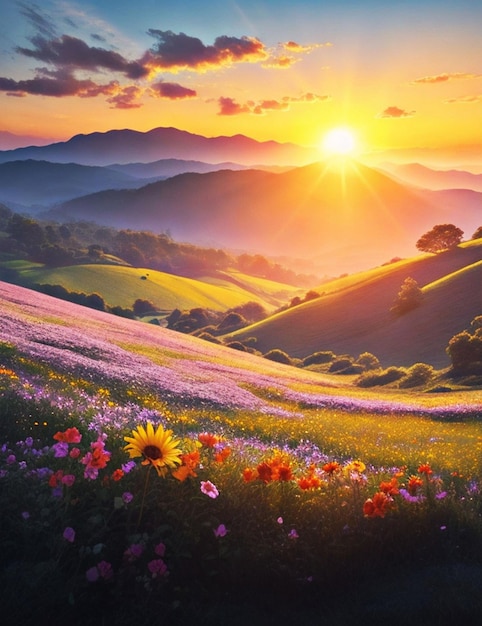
(141, 510)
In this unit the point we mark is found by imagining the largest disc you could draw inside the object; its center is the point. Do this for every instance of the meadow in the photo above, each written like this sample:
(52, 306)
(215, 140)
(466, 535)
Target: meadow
(246, 491)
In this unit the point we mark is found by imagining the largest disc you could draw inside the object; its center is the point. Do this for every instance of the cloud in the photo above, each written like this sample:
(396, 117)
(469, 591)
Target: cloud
(228, 106)
(56, 84)
(283, 60)
(173, 91)
(396, 112)
(174, 52)
(443, 78)
(126, 98)
(68, 51)
(292, 46)
(42, 23)
(465, 99)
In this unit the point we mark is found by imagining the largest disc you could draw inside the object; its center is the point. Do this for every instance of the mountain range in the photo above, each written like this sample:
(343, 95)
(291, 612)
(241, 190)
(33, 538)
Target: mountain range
(129, 146)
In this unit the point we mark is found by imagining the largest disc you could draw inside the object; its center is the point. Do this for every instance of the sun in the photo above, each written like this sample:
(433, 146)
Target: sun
(339, 141)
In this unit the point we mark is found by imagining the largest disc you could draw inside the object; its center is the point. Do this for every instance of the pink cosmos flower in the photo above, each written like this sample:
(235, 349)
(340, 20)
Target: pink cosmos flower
(208, 488)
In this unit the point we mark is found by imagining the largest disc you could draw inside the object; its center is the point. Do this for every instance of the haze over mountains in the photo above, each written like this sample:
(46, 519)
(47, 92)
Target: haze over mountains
(345, 215)
(348, 215)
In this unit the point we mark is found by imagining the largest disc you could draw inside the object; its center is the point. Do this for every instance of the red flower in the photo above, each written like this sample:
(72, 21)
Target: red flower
(425, 469)
(71, 435)
(378, 505)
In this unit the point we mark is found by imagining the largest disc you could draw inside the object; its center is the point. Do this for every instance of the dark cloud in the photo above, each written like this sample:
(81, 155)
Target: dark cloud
(41, 22)
(98, 37)
(73, 52)
(180, 51)
(228, 106)
(56, 84)
(396, 112)
(173, 91)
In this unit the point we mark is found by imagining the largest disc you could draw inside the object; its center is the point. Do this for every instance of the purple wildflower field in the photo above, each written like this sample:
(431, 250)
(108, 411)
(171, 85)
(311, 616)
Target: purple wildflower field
(86, 343)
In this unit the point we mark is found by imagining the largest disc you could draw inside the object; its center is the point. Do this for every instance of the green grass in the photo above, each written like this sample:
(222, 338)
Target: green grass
(122, 285)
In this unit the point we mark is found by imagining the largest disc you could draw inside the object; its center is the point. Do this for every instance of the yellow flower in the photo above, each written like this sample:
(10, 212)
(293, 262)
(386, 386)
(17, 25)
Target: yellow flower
(158, 447)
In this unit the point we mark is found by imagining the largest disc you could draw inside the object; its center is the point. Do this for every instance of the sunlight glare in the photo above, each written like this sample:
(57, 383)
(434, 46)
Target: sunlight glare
(339, 141)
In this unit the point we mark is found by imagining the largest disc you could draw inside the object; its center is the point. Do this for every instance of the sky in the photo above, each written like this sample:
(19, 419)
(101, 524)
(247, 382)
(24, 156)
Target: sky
(399, 74)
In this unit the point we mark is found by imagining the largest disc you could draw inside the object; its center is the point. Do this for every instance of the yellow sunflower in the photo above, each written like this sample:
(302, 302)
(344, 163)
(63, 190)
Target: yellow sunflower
(158, 447)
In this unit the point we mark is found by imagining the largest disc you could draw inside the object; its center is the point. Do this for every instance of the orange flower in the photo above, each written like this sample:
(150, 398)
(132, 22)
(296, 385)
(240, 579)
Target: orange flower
(389, 487)
(425, 469)
(331, 468)
(309, 482)
(414, 483)
(117, 474)
(189, 463)
(249, 474)
(265, 472)
(222, 455)
(208, 439)
(378, 505)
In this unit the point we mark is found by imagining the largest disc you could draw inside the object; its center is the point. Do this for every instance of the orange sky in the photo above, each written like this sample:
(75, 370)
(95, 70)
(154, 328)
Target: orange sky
(402, 75)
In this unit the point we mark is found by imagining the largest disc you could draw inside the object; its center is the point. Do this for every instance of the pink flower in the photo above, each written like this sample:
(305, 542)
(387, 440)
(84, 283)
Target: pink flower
(74, 453)
(92, 574)
(157, 567)
(68, 479)
(160, 549)
(134, 551)
(220, 531)
(105, 570)
(69, 534)
(209, 489)
(293, 534)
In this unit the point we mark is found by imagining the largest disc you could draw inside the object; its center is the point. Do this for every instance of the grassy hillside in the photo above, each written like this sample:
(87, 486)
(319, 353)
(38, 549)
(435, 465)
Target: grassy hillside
(121, 286)
(353, 315)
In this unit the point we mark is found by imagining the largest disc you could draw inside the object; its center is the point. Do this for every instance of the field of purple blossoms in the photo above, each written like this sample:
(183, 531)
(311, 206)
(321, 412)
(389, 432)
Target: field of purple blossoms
(292, 491)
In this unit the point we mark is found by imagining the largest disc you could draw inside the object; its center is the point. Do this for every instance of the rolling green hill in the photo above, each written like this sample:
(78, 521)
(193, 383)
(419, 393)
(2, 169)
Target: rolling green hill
(353, 315)
(121, 286)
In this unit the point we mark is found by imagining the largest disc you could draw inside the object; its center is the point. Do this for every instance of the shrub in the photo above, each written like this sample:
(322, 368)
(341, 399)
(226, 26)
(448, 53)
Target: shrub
(409, 297)
(465, 351)
(318, 358)
(143, 307)
(209, 337)
(279, 356)
(232, 321)
(340, 364)
(368, 361)
(237, 345)
(378, 378)
(417, 375)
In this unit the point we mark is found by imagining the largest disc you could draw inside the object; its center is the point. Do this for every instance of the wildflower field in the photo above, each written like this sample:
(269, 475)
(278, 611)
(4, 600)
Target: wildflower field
(150, 478)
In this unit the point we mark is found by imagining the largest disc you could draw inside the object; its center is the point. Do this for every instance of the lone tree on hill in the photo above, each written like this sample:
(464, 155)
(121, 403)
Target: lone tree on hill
(409, 297)
(442, 237)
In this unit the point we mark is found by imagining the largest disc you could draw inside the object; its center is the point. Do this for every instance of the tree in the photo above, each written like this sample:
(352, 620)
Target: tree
(478, 233)
(409, 297)
(465, 350)
(442, 237)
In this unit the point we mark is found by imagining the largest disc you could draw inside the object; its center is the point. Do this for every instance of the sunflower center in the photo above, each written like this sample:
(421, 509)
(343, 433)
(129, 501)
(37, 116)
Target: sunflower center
(152, 452)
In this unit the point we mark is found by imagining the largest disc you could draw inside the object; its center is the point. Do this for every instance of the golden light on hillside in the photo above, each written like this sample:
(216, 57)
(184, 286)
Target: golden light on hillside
(339, 142)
